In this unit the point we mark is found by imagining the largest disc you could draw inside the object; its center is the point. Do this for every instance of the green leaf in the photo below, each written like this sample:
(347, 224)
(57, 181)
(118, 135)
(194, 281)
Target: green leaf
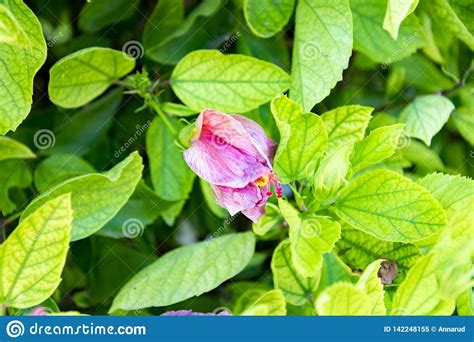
(371, 39)
(370, 283)
(12, 149)
(464, 121)
(22, 52)
(452, 192)
(98, 14)
(334, 270)
(163, 22)
(267, 17)
(397, 11)
(343, 299)
(425, 116)
(364, 298)
(83, 75)
(82, 129)
(35, 253)
(303, 140)
(96, 189)
(359, 249)
(296, 289)
(272, 303)
(58, 168)
(231, 83)
(391, 207)
(418, 153)
(273, 50)
(465, 304)
(171, 177)
(310, 237)
(271, 220)
(141, 210)
(322, 48)
(346, 124)
(186, 272)
(13, 174)
(431, 79)
(443, 12)
(381, 144)
(209, 25)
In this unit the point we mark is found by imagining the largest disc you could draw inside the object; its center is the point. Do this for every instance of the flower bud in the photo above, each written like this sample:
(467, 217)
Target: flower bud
(330, 176)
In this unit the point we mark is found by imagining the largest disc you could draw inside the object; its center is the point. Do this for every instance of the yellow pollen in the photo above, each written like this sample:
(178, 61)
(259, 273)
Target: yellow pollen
(262, 181)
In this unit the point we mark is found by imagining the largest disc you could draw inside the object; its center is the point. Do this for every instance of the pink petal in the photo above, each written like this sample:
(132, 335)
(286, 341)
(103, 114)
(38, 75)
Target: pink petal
(250, 200)
(258, 135)
(224, 153)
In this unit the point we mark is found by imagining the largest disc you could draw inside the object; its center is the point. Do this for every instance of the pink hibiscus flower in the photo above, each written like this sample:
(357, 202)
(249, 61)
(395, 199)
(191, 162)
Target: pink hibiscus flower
(234, 155)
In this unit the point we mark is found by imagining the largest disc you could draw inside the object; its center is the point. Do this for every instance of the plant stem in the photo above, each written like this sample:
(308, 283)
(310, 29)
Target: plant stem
(163, 117)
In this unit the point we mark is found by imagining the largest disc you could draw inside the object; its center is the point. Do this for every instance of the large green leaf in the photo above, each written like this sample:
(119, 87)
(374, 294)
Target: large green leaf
(370, 283)
(310, 237)
(453, 192)
(163, 22)
(271, 303)
(267, 17)
(346, 124)
(82, 129)
(303, 140)
(171, 177)
(231, 83)
(206, 27)
(96, 197)
(34, 255)
(371, 39)
(296, 289)
(397, 11)
(98, 14)
(443, 12)
(390, 207)
(381, 144)
(359, 249)
(186, 272)
(322, 48)
(343, 299)
(334, 270)
(13, 174)
(58, 168)
(12, 149)
(425, 116)
(364, 298)
(22, 52)
(83, 75)
(464, 121)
